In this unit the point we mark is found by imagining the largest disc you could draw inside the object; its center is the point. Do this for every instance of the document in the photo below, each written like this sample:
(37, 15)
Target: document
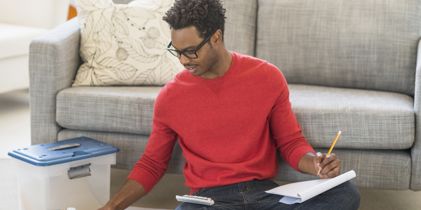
(299, 192)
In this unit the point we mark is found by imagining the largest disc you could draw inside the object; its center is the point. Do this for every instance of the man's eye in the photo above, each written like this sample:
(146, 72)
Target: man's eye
(190, 52)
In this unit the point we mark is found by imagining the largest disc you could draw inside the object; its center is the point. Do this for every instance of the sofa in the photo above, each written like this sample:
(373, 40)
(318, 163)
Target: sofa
(20, 22)
(351, 66)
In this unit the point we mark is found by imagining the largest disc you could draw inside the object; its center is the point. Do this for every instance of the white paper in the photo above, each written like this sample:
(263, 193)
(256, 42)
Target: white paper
(299, 192)
(289, 200)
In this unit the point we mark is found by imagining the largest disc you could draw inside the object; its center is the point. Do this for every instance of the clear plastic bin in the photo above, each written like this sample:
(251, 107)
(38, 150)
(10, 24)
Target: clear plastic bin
(77, 176)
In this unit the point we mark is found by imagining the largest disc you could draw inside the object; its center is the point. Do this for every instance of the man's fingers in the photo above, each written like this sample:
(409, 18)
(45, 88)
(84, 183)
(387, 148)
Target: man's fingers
(333, 173)
(330, 166)
(332, 169)
(327, 159)
(327, 166)
(317, 161)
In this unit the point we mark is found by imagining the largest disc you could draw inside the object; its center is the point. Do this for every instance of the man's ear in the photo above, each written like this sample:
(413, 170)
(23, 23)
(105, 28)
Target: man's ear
(217, 37)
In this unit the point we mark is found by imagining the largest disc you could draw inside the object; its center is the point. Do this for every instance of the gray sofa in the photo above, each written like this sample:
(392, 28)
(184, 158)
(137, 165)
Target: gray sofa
(351, 66)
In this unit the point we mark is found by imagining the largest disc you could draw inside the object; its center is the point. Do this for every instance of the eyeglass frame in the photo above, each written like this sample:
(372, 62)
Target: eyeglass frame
(178, 53)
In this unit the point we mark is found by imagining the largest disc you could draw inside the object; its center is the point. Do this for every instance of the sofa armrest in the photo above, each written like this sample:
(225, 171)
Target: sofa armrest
(416, 148)
(53, 62)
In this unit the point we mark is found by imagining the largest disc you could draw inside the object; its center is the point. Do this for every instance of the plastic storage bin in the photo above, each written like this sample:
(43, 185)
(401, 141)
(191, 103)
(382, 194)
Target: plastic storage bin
(69, 173)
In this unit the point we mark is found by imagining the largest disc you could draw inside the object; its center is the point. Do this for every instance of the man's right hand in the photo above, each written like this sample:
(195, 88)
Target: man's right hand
(127, 195)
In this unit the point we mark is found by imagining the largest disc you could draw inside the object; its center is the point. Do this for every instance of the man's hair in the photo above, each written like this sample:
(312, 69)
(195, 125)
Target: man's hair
(206, 15)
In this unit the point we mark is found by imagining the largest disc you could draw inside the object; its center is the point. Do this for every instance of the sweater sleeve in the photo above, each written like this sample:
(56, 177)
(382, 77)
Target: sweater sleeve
(153, 163)
(285, 129)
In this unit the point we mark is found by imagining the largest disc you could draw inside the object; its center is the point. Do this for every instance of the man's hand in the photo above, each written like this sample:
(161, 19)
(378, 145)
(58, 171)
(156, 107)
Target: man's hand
(328, 166)
(127, 195)
(320, 165)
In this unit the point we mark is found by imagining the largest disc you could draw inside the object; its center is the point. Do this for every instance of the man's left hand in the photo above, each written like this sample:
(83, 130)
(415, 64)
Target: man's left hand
(328, 166)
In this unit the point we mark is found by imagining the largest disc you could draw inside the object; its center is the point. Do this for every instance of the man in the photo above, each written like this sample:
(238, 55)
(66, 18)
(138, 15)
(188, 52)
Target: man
(230, 114)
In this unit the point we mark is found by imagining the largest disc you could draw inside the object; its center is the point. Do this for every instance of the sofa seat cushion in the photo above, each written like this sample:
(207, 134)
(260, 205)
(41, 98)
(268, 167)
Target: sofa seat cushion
(381, 169)
(367, 119)
(109, 109)
(14, 39)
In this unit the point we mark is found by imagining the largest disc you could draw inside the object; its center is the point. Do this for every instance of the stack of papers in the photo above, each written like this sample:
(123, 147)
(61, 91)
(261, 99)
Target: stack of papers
(299, 192)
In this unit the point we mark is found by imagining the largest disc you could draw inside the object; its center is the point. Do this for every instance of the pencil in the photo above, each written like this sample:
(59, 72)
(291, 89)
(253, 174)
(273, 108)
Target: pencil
(330, 149)
(333, 143)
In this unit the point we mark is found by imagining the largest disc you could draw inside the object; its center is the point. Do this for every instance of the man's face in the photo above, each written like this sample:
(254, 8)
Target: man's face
(187, 41)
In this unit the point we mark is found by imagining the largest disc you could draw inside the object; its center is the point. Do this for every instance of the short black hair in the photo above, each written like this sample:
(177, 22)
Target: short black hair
(206, 15)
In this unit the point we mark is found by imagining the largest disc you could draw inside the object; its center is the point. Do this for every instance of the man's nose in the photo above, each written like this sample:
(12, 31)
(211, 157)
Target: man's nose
(183, 59)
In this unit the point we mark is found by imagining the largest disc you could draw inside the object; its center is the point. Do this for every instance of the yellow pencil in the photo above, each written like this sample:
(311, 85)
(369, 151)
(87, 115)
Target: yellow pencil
(330, 149)
(333, 143)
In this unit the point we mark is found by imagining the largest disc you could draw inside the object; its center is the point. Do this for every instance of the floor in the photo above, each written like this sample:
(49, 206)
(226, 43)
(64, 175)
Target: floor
(15, 133)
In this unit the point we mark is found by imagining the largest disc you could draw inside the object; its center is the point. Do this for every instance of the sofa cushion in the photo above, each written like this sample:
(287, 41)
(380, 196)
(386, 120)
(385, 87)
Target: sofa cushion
(14, 39)
(382, 169)
(240, 25)
(124, 44)
(368, 119)
(364, 44)
(110, 109)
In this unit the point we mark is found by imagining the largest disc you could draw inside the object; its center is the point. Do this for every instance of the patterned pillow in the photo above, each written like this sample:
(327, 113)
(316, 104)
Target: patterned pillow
(124, 44)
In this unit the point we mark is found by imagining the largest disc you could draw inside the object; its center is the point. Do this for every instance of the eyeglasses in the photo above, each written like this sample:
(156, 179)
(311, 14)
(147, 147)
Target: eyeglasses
(189, 53)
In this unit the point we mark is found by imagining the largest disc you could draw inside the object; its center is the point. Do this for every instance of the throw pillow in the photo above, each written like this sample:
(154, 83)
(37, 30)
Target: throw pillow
(124, 44)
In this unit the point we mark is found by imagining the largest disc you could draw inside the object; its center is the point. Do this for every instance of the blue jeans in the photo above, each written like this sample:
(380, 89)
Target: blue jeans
(251, 196)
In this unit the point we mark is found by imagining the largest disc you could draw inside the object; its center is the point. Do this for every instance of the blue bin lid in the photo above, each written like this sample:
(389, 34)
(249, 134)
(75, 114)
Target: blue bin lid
(63, 151)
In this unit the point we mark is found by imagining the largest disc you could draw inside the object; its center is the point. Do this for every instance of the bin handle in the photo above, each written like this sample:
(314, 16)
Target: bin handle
(64, 146)
(79, 171)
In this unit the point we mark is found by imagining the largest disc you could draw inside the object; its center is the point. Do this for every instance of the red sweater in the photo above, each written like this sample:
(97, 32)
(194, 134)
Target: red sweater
(228, 128)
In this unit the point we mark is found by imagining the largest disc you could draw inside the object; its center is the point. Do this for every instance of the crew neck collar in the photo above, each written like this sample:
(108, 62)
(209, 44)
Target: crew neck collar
(226, 74)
